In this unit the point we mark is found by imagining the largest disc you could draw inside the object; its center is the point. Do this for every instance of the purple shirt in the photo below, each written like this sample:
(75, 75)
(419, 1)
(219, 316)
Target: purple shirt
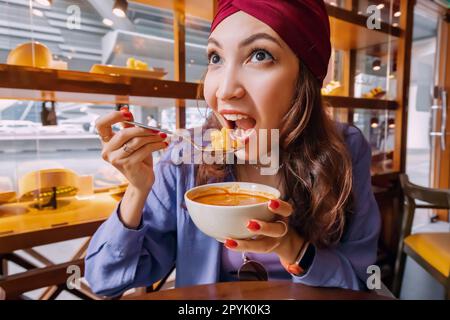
(119, 258)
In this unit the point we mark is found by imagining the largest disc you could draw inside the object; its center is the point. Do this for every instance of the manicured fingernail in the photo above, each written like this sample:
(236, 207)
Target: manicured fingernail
(124, 108)
(166, 143)
(274, 204)
(253, 225)
(230, 243)
(127, 114)
(294, 269)
(163, 135)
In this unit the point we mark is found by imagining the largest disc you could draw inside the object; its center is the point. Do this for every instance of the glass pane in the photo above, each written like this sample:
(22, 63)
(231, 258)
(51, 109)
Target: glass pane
(375, 73)
(69, 140)
(389, 10)
(363, 61)
(378, 127)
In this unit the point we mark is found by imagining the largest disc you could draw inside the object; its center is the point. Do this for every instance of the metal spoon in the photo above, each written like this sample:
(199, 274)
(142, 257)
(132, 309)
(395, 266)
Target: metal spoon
(196, 146)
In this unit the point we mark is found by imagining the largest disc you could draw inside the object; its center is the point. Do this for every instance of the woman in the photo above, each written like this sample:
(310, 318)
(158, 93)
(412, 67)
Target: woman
(267, 61)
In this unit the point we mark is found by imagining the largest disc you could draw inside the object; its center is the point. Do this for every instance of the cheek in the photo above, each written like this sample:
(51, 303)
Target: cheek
(209, 90)
(272, 96)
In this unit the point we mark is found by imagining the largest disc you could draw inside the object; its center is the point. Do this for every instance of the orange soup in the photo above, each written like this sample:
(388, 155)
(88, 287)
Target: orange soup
(230, 199)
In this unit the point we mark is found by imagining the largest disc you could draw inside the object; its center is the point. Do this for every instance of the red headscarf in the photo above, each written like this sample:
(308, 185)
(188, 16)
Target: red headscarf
(303, 24)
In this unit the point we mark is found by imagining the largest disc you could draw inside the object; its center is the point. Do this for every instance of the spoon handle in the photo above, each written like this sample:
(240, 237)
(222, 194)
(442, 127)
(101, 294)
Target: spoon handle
(148, 127)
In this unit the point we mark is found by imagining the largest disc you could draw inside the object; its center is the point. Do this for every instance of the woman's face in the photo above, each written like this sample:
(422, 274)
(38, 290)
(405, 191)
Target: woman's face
(251, 71)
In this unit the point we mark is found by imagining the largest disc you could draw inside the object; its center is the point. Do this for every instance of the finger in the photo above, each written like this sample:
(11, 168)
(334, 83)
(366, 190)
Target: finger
(275, 229)
(261, 245)
(104, 123)
(125, 135)
(146, 152)
(127, 125)
(135, 142)
(120, 156)
(280, 207)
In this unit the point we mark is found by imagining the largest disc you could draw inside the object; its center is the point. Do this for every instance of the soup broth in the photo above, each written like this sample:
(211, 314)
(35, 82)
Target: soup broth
(230, 199)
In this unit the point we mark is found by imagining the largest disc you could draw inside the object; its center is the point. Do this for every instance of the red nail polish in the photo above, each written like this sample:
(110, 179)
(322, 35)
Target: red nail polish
(253, 225)
(163, 135)
(274, 204)
(153, 131)
(127, 114)
(294, 269)
(166, 143)
(231, 243)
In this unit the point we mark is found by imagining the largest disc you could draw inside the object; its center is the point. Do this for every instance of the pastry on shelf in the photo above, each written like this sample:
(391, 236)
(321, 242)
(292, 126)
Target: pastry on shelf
(34, 54)
(46, 186)
(133, 68)
(332, 88)
(375, 93)
(31, 54)
(133, 63)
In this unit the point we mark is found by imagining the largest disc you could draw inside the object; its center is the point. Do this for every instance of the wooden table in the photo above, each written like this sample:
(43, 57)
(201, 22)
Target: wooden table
(23, 227)
(256, 290)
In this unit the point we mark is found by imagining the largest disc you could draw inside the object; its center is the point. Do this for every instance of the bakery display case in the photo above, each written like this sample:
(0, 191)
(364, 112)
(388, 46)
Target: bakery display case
(367, 86)
(77, 60)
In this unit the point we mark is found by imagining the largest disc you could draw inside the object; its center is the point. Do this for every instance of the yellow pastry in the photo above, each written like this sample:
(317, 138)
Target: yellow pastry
(221, 140)
(133, 63)
(130, 62)
(140, 65)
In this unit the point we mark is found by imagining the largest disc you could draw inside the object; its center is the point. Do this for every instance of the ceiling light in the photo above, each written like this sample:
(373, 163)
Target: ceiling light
(107, 22)
(397, 14)
(391, 123)
(374, 123)
(376, 65)
(380, 6)
(46, 3)
(37, 12)
(120, 8)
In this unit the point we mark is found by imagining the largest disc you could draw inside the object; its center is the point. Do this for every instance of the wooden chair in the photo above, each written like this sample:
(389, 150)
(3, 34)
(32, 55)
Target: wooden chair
(429, 250)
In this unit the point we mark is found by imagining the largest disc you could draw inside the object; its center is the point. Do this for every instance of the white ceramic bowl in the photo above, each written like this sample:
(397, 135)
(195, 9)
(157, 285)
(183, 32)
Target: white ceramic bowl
(222, 222)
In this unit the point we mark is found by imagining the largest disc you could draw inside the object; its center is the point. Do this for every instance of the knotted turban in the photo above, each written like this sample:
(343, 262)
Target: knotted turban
(303, 24)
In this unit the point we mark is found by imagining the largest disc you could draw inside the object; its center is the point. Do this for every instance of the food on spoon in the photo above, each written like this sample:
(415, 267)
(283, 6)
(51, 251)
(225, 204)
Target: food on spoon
(221, 140)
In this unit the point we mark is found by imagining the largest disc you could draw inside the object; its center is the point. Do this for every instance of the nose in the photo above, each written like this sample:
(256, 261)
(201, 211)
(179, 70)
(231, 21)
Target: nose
(230, 87)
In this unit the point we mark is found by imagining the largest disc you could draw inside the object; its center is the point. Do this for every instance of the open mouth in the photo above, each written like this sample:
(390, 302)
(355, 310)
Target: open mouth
(242, 125)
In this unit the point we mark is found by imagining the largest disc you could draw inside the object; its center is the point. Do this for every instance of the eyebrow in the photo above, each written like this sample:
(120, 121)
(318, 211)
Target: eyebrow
(249, 40)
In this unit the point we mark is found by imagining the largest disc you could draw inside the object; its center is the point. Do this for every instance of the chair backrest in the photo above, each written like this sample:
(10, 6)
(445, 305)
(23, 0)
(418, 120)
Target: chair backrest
(434, 198)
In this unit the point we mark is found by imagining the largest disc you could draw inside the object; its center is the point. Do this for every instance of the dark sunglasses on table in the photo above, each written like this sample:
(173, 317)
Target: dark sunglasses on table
(252, 270)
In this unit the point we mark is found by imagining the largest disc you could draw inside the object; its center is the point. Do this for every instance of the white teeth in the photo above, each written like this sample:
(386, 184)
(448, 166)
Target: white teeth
(234, 116)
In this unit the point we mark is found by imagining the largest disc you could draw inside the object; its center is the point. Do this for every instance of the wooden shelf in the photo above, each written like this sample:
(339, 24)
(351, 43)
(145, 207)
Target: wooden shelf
(360, 103)
(27, 83)
(349, 30)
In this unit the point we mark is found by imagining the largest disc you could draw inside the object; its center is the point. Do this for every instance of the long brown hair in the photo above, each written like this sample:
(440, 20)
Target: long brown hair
(316, 168)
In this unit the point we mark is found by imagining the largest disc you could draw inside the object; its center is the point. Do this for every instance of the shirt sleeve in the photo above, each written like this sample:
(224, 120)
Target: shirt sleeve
(119, 258)
(345, 265)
